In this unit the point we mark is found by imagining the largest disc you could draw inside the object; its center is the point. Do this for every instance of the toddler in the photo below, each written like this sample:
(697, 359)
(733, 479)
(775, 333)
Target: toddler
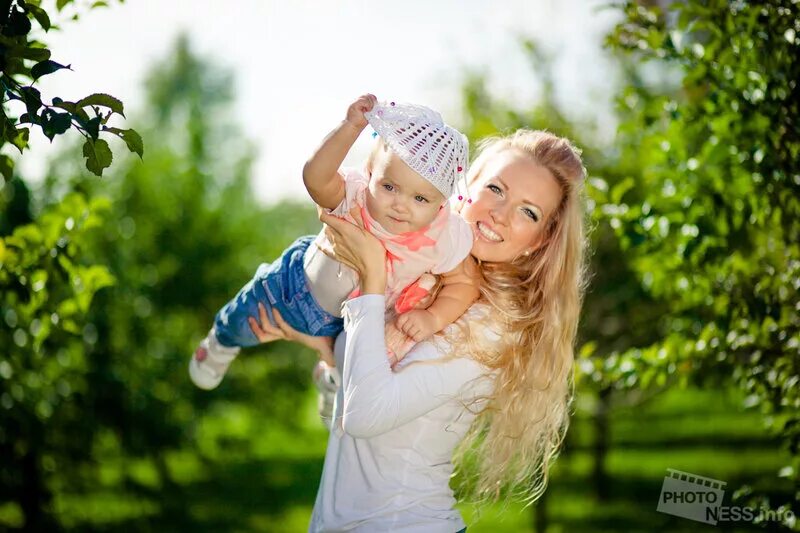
(400, 196)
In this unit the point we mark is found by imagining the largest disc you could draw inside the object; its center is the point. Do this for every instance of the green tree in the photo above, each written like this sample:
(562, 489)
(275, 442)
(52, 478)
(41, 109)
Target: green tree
(181, 232)
(23, 61)
(46, 285)
(711, 224)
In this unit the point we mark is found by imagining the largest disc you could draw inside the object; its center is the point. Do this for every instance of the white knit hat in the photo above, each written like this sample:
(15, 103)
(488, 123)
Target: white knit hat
(419, 136)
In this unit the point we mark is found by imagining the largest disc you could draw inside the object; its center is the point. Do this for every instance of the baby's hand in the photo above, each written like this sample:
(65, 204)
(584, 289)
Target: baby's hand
(355, 113)
(419, 324)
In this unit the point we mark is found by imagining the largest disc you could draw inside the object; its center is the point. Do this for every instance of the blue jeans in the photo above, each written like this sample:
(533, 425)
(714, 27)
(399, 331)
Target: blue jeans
(278, 285)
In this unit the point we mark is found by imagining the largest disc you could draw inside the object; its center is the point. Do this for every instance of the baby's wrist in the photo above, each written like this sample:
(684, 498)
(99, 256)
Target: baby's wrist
(355, 127)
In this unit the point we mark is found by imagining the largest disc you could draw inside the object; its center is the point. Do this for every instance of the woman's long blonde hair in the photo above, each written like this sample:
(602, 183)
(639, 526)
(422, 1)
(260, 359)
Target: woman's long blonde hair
(534, 303)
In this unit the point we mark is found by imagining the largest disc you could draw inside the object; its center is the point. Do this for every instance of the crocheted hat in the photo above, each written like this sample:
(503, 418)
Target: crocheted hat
(419, 136)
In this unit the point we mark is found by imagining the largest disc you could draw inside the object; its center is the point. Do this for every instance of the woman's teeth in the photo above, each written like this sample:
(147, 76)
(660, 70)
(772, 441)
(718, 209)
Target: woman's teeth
(489, 234)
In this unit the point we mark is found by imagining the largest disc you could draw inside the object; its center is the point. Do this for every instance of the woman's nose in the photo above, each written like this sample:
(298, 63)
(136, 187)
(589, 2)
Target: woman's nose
(499, 214)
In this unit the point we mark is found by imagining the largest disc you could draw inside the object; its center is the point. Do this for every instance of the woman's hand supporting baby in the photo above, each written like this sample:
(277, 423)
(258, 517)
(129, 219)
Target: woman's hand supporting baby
(266, 332)
(358, 249)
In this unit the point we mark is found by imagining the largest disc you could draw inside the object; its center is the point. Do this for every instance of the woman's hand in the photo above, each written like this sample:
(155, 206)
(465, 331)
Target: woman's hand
(358, 249)
(266, 332)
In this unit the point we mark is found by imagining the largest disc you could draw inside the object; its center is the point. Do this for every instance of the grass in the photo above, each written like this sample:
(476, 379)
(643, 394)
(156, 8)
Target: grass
(246, 474)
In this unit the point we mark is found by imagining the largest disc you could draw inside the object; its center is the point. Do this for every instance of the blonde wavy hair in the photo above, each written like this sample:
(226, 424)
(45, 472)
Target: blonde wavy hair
(534, 304)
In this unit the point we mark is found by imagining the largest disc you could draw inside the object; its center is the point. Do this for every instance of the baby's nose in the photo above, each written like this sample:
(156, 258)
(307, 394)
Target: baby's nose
(401, 205)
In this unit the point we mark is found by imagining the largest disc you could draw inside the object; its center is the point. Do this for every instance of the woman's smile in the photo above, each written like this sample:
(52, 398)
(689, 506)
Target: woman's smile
(486, 232)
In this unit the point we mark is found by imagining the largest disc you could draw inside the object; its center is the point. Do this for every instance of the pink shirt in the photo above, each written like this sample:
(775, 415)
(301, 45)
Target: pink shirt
(438, 248)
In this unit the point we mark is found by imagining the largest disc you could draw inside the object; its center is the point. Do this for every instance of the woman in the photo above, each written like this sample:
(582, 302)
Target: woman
(496, 385)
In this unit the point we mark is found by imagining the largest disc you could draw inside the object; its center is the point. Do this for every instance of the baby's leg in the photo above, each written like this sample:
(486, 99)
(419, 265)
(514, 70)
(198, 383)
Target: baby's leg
(231, 331)
(231, 325)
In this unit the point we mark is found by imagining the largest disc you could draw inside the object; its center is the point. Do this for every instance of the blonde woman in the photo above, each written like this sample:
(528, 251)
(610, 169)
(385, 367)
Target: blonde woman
(494, 387)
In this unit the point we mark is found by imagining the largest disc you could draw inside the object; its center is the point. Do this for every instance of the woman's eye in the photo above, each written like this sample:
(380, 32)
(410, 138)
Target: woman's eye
(388, 187)
(421, 199)
(495, 189)
(532, 214)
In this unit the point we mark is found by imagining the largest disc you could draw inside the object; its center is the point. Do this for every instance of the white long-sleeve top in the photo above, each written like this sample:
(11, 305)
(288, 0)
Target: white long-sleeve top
(389, 456)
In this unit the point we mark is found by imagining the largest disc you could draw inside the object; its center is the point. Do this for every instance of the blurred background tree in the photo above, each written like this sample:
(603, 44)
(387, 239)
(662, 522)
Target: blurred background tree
(183, 235)
(46, 281)
(711, 224)
(688, 342)
(695, 210)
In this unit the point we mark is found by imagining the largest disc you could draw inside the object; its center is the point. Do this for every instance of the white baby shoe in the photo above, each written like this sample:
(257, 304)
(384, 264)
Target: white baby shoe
(210, 362)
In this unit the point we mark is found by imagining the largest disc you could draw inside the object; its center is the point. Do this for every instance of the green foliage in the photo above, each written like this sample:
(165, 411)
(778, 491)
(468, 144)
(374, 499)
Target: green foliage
(46, 288)
(23, 61)
(711, 224)
(180, 234)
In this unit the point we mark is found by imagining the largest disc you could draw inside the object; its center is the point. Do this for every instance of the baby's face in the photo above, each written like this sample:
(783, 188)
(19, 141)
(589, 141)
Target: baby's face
(398, 198)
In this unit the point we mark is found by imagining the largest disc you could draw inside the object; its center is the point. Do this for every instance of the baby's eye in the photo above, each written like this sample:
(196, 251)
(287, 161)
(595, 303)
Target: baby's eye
(421, 199)
(388, 187)
(494, 188)
(532, 214)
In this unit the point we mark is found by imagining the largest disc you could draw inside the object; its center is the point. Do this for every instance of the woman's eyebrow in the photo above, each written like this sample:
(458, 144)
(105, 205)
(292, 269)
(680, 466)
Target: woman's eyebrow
(525, 200)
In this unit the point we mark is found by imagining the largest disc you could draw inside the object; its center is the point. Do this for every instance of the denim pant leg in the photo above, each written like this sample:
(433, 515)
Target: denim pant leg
(279, 285)
(230, 325)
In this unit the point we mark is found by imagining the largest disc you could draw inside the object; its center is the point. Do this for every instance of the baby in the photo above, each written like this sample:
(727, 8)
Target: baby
(401, 197)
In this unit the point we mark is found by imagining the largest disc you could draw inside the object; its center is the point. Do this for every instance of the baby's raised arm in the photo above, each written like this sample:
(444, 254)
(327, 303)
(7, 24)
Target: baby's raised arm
(321, 172)
(459, 291)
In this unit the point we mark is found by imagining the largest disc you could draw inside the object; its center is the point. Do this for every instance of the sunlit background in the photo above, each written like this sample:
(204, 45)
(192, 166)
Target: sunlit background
(687, 356)
(297, 65)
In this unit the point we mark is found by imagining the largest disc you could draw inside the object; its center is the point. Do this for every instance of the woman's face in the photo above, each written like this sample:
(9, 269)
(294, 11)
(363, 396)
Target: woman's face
(512, 201)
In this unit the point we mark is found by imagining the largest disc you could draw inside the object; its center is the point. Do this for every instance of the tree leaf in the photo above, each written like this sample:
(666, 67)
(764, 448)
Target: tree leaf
(619, 189)
(65, 105)
(6, 167)
(29, 52)
(40, 15)
(98, 156)
(18, 24)
(131, 138)
(5, 7)
(20, 139)
(55, 124)
(93, 127)
(32, 98)
(27, 118)
(46, 67)
(7, 130)
(105, 100)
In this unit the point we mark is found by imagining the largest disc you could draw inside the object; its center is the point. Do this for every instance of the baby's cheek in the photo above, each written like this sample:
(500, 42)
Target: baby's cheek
(429, 214)
(374, 203)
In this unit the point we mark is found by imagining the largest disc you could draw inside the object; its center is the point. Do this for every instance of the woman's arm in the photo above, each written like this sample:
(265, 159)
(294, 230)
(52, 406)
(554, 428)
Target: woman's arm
(376, 399)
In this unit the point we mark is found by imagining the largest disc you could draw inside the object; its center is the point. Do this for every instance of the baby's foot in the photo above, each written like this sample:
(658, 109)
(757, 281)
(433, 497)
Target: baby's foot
(325, 379)
(210, 362)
